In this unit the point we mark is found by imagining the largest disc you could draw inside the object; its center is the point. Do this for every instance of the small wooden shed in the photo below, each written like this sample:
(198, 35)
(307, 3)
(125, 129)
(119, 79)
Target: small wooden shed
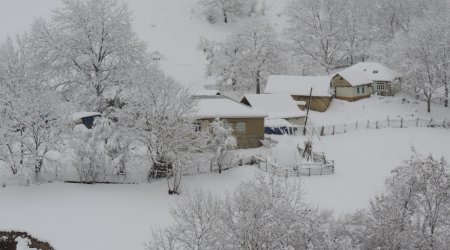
(299, 88)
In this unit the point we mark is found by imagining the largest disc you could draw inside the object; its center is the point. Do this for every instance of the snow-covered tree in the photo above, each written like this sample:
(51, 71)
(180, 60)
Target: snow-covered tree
(31, 114)
(221, 142)
(356, 30)
(159, 113)
(413, 213)
(196, 220)
(89, 50)
(246, 58)
(228, 9)
(426, 51)
(315, 28)
(265, 213)
(100, 152)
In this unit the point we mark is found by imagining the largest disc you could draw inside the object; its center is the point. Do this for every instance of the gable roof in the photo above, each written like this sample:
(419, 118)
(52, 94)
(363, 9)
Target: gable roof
(275, 105)
(299, 85)
(373, 71)
(354, 78)
(218, 106)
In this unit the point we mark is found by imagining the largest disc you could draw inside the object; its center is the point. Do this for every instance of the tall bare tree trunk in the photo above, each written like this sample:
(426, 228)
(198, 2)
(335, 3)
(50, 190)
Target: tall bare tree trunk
(446, 95)
(258, 82)
(429, 105)
(225, 16)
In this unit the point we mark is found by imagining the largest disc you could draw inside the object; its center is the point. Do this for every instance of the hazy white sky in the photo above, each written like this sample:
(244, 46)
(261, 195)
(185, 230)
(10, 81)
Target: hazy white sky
(17, 15)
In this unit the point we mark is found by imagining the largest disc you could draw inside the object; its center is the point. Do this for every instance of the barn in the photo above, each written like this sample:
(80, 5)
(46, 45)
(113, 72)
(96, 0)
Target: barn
(247, 123)
(299, 87)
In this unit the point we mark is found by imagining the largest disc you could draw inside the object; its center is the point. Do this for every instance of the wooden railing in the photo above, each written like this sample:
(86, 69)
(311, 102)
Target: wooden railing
(302, 169)
(343, 128)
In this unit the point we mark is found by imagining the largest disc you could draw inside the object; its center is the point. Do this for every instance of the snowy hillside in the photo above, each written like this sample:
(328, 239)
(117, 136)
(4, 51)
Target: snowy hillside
(172, 27)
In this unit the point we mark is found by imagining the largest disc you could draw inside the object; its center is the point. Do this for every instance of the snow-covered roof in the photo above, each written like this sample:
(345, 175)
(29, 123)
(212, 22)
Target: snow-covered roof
(208, 107)
(78, 115)
(299, 85)
(208, 92)
(275, 105)
(374, 71)
(276, 123)
(355, 78)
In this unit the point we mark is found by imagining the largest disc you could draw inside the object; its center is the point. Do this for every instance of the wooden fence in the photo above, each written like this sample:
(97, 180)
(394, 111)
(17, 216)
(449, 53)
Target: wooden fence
(379, 124)
(303, 169)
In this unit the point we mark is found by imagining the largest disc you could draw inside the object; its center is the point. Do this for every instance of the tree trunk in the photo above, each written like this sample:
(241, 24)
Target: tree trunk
(225, 16)
(258, 82)
(429, 105)
(446, 95)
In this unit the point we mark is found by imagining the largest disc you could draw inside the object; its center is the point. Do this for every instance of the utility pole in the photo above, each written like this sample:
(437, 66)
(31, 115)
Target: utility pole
(307, 111)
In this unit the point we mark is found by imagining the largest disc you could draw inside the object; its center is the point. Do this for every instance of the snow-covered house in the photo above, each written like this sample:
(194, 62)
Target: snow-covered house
(382, 78)
(283, 114)
(299, 88)
(247, 123)
(351, 85)
(277, 106)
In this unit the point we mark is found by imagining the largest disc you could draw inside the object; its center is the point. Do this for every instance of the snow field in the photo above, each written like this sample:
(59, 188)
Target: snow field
(111, 217)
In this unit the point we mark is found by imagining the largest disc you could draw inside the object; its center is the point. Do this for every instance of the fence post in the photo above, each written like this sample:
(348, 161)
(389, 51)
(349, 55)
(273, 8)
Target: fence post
(388, 122)
(417, 122)
(309, 171)
(287, 175)
(333, 130)
(376, 125)
(322, 131)
(401, 122)
(431, 120)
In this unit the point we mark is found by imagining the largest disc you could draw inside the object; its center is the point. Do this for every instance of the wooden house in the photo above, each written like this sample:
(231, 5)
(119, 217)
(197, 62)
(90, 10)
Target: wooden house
(247, 123)
(384, 80)
(299, 87)
(351, 85)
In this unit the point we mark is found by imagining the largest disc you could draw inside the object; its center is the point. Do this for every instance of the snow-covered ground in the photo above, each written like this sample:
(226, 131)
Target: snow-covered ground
(378, 108)
(72, 216)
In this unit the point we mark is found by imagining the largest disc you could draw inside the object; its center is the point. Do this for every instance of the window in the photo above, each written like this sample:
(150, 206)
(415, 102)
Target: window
(380, 86)
(362, 90)
(240, 127)
(357, 90)
(197, 126)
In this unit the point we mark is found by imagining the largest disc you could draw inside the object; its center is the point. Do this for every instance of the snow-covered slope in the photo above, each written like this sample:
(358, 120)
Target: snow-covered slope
(172, 27)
